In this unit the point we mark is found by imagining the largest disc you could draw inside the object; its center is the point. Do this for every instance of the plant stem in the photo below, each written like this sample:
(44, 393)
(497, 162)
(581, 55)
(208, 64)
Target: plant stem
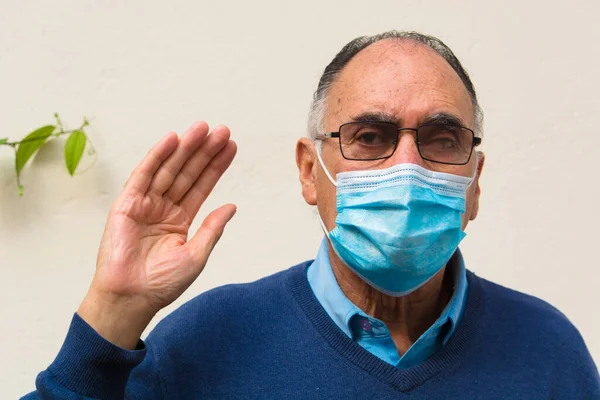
(56, 134)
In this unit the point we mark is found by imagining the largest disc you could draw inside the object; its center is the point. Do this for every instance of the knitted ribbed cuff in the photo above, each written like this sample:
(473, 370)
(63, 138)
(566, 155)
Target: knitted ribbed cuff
(91, 366)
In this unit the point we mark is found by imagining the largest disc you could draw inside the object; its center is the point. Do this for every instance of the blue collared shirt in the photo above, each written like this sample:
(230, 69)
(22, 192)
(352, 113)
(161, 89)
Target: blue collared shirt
(371, 333)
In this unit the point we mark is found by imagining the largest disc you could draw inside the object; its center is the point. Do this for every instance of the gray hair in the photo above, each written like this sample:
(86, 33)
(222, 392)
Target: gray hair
(318, 108)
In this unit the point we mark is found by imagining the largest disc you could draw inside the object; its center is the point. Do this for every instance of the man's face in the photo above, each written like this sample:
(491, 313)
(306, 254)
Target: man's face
(406, 82)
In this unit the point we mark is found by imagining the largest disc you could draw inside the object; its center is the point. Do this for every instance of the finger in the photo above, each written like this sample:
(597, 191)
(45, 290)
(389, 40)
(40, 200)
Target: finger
(207, 180)
(204, 240)
(139, 180)
(188, 143)
(214, 143)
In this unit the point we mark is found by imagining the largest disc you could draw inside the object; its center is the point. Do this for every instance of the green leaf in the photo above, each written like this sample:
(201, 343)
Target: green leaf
(2, 141)
(74, 150)
(30, 144)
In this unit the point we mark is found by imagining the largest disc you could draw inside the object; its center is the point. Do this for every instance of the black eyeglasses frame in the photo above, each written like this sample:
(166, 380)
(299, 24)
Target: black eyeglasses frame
(476, 141)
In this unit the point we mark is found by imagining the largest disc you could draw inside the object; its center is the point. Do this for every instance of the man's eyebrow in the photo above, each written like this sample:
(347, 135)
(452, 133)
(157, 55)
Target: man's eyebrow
(375, 117)
(439, 118)
(444, 119)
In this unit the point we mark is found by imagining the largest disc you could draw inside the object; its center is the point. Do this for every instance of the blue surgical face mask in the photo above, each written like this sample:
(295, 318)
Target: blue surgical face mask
(397, 227)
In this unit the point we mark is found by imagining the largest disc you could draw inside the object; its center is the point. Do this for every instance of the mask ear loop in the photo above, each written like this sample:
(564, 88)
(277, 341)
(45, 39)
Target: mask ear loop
(474, 177)
(323, 226)
(318, 146)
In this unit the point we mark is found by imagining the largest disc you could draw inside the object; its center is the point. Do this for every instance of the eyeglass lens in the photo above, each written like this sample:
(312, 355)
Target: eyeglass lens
(376, 140)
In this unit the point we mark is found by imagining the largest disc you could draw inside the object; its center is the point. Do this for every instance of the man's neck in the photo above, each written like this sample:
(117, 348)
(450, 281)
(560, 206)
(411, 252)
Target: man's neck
(407, 317)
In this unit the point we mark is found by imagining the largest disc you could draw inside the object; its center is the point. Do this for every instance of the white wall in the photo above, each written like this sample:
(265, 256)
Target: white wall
(140, 69)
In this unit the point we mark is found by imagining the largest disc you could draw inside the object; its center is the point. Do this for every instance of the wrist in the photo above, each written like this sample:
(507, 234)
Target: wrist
(120, 320)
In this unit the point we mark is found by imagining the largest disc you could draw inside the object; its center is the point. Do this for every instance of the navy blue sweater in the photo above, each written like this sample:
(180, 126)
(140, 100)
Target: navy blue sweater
(271, 339)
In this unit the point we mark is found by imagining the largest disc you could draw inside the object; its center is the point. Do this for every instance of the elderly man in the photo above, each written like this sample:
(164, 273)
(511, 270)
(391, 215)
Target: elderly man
(387, 309)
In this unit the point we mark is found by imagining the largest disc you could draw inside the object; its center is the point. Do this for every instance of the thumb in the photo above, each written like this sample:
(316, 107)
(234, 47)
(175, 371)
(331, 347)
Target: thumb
(204, 240)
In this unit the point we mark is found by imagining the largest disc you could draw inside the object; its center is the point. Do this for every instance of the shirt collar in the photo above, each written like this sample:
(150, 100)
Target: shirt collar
(328, 292)
(455, 307)
(341, 310)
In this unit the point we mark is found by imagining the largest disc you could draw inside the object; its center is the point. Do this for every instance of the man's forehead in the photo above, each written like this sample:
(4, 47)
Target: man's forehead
(398, 78)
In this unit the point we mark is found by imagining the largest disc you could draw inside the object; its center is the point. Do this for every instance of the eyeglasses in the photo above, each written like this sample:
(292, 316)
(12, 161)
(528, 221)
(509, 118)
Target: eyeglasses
(374, 140)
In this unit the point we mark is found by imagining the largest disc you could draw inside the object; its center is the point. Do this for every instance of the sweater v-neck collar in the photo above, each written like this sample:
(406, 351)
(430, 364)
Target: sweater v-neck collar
(402, 379)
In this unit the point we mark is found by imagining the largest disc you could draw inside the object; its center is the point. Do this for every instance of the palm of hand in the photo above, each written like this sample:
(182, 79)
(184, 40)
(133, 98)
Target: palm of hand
(144, 253)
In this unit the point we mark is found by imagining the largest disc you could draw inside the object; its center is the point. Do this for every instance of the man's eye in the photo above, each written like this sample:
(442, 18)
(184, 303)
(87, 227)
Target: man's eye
(443, 138)
(369, 138)
(445, 143)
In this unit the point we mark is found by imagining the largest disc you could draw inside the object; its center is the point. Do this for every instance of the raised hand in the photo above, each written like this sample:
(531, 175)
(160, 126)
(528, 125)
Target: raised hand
(145, 260)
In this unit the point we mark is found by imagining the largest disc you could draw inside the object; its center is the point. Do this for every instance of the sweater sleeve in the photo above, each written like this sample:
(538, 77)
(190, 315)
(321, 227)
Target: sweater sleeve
(90, 367)
(574, 374)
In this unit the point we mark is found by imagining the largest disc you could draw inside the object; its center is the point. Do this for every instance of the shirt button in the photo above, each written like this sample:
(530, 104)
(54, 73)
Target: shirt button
(365, 324)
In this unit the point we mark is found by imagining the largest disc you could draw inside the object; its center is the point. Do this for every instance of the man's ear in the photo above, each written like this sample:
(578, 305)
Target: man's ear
(306, 161)
(480, 162)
